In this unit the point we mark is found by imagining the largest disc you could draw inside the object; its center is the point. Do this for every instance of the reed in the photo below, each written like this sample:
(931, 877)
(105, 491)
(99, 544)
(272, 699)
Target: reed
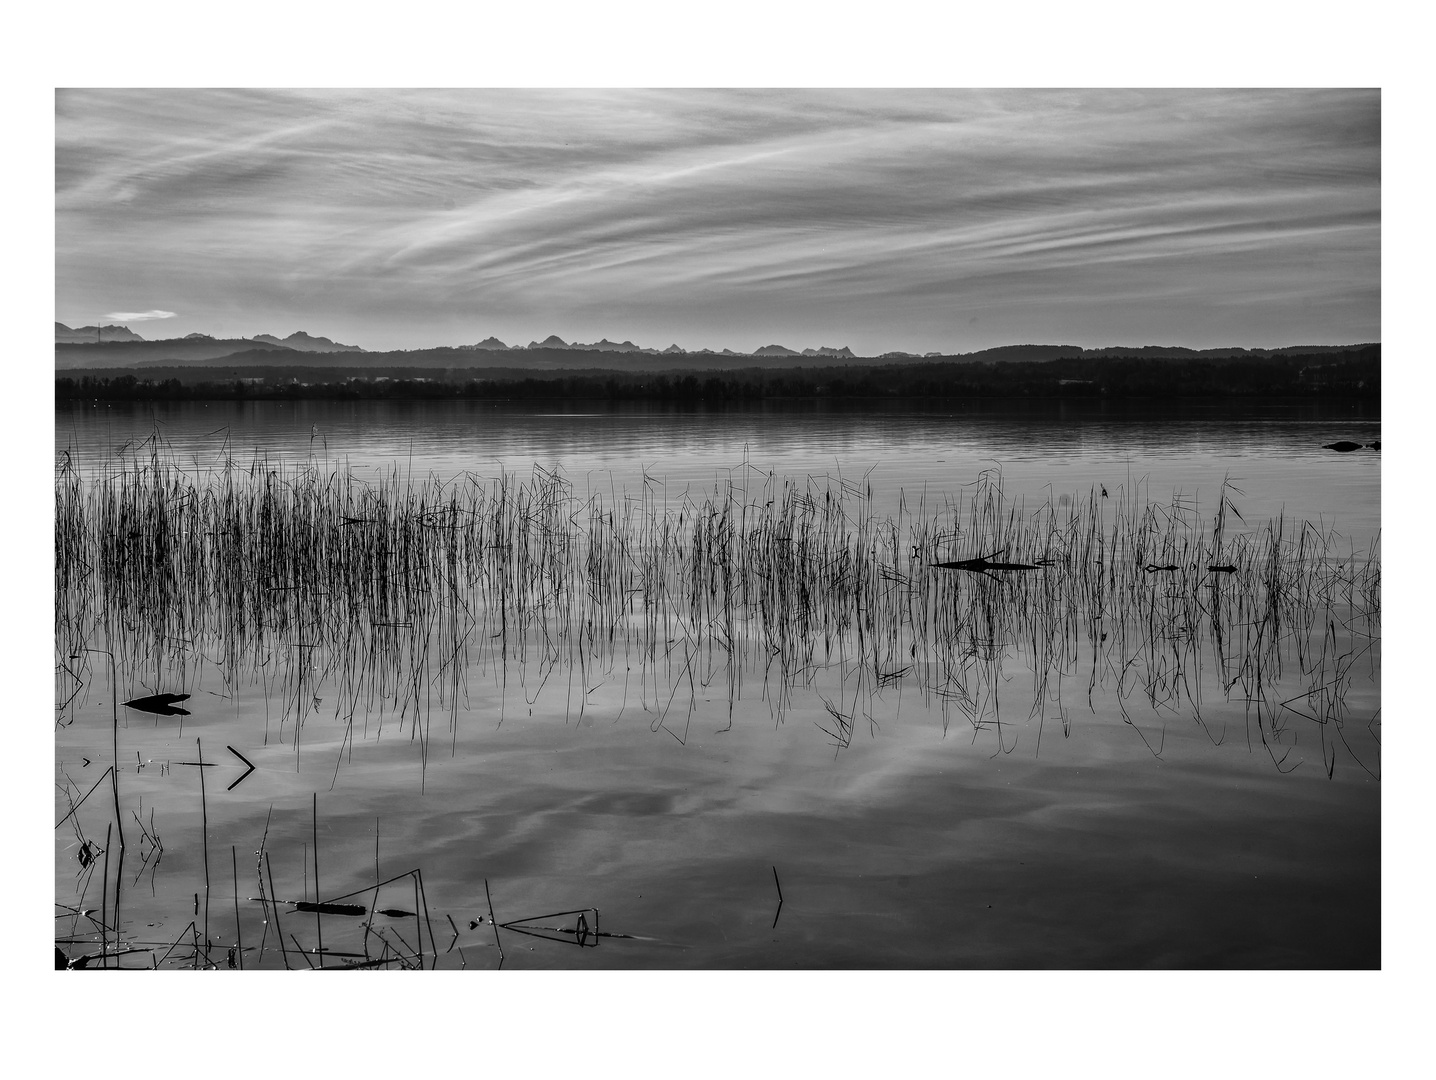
(238, 929)
(387, 594)
(380, 598)
(204, 834)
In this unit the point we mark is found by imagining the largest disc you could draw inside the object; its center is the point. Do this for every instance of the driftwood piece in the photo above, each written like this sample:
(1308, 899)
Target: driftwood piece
(983, 563)
(159, 704)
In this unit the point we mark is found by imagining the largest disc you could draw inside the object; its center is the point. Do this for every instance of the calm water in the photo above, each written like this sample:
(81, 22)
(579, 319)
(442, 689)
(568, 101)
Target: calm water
(976, 820)
(1274, 453)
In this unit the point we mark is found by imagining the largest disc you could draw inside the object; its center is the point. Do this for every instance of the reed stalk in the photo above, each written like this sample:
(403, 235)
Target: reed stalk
(390, 593)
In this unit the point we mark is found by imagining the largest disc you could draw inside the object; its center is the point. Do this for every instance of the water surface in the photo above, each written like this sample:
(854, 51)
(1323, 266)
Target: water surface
(974, 815)
(1273, 450)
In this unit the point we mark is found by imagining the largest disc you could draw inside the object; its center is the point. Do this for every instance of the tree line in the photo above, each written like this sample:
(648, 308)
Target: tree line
(1353, 373)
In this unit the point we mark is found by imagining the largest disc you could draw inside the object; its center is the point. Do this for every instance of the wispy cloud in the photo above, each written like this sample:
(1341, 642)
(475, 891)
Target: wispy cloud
(139, 316)
(893, 219)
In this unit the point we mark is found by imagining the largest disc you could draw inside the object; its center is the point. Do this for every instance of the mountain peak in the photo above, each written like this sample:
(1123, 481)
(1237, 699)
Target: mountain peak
(307, 343)
(828, 350)
(88, 335)
(604, 345)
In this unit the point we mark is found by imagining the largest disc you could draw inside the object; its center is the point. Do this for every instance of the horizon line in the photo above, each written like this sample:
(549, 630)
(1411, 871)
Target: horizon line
(627, 345)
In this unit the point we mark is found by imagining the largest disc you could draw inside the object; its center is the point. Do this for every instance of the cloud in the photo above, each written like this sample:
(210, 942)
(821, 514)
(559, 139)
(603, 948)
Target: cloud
(139, 316)
(890, 215)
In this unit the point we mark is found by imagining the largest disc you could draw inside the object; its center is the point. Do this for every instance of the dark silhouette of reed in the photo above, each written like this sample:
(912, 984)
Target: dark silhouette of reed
(379, 598)
(389, 593)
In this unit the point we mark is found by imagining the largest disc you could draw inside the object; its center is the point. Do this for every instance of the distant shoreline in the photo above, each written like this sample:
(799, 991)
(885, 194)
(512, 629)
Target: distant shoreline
(1350, 374)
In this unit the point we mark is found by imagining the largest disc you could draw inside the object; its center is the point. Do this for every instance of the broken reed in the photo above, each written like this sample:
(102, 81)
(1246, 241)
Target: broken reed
(387, 591)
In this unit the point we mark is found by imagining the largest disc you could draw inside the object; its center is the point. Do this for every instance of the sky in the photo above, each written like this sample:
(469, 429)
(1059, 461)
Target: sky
(915, 220)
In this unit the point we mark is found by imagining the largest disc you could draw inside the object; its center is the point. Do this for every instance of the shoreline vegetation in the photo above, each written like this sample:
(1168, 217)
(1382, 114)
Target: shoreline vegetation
(1351, 374)
(403, 586)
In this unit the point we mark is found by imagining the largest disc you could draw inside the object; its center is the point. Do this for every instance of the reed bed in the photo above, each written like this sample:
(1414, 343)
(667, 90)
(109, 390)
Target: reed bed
(364, 600)
(390, 592)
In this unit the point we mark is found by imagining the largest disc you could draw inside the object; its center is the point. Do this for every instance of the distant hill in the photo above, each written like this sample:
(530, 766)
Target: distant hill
(1178, 352)
(775, 350)
(306, 343)
(491, 344)
(70, 356)
(1020, 352)
(91, 335)
(827, 350)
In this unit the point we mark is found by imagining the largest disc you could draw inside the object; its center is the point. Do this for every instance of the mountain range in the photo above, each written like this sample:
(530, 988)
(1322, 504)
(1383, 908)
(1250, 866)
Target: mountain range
(119, 347)
(823, 350)
(90, 335)
(305, 343)
(553, 341)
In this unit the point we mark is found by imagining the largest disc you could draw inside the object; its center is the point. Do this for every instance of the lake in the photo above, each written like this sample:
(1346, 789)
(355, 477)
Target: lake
(662, 688)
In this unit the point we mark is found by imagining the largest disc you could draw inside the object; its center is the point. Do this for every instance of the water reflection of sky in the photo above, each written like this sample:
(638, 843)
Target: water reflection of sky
(1274, 456)
(915, 847)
